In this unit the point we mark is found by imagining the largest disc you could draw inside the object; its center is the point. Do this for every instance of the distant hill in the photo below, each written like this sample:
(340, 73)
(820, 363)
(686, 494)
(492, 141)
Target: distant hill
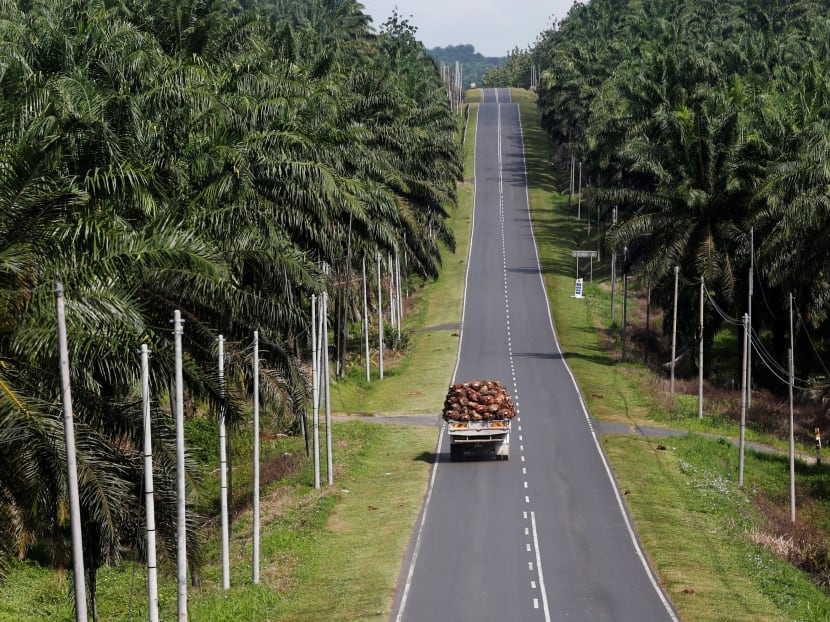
(474, 65)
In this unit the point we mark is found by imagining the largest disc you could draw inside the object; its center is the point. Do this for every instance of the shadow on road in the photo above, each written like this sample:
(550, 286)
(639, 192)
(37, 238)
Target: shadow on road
(545, 356)
(430, 457)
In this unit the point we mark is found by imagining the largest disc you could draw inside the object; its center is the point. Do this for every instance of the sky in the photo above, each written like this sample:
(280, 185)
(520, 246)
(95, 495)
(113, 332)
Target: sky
(494, 27)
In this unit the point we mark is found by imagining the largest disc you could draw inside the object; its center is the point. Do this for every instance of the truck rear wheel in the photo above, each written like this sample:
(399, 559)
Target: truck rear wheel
(455, 452)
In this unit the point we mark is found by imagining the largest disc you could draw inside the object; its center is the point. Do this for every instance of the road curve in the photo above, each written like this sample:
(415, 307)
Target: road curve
(544, 536)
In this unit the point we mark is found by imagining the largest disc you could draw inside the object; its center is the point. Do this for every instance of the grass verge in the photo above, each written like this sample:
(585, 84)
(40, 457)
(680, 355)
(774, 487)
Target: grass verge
(717, 553)
(331, 555)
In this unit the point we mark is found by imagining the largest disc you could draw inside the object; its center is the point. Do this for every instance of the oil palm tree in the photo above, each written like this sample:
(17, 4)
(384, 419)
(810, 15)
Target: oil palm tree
(193, 156)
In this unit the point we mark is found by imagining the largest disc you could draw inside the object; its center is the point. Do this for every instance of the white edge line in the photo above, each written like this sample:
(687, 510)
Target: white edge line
(631, 533)
(542, 589)
(417, 546)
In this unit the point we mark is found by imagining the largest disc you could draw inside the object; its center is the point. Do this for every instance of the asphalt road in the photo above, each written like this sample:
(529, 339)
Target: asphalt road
(543, 536)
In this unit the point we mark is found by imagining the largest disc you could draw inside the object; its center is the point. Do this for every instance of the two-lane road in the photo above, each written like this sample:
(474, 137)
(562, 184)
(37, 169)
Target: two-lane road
(544, 536)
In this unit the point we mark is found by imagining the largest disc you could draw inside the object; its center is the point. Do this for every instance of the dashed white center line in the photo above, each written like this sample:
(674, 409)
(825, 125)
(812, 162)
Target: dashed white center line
(531, 530)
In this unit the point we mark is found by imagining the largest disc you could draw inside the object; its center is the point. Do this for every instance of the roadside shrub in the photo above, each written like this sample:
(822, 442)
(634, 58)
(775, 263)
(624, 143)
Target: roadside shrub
(811, 554)
(391, 340)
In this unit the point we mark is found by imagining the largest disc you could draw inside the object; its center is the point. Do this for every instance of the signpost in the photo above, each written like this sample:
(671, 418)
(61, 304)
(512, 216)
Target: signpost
(590, 254)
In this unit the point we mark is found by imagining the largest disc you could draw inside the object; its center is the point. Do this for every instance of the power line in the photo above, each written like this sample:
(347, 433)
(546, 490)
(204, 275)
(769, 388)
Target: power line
(728, 318)
(772, 365)
(686, 281)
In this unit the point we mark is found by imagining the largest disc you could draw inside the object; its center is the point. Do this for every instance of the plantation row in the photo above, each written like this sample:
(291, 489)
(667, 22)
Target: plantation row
(702, 123)
(228, 159)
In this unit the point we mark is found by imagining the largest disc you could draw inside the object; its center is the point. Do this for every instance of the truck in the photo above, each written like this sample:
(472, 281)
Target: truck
(478, 415)
(481, 437)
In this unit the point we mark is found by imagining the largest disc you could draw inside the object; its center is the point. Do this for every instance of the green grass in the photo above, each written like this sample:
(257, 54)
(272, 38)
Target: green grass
(695, 523)
(473, 96)
(332, 556)
(336, 556)
(698, 528)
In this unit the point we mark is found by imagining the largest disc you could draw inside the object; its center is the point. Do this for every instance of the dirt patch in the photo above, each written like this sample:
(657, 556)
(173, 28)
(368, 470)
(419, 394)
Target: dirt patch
(271, 469)
(273, 504)
(337, 524)
(280, 575)
(804, 544)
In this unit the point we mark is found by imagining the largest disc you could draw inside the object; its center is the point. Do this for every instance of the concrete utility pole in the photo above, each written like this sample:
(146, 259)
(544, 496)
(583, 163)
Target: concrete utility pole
(380, 321)
(399, 291)
(613, 267)
(625, 300)
(256, 461)
(700, 356)
(366, 320)
(743, 403)
(648, 318)
(749, 312)
(149, 501)
(78, 578)
(392, 305)
(674, 327)
(223, 470)
(792, 426)
(181, 492)
(315, 391)
(327, 376)
(573, 176)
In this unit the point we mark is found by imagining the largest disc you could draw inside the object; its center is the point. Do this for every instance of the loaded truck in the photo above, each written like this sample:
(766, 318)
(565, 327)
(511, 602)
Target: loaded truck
(478, 416)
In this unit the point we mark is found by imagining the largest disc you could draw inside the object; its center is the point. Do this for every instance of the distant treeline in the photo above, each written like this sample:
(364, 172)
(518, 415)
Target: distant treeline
(474, 64)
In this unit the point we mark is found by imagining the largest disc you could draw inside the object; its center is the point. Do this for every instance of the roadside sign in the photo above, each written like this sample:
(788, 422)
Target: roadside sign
(578, 289)
(590, 255)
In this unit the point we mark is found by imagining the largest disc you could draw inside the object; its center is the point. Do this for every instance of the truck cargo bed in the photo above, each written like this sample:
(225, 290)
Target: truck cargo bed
(479, 436)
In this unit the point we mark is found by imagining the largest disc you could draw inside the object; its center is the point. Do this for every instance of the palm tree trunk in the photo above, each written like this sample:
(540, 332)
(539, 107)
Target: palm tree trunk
(342, 333)
(92, 585)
